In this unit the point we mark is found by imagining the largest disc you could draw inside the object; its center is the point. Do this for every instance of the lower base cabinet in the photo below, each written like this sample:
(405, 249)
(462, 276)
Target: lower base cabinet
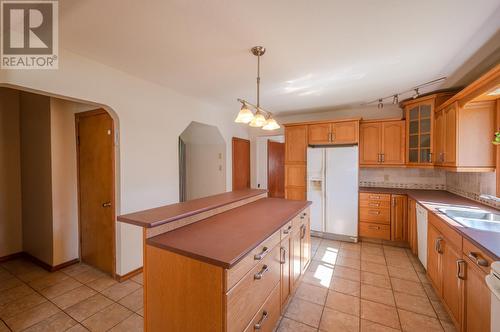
(477, 299)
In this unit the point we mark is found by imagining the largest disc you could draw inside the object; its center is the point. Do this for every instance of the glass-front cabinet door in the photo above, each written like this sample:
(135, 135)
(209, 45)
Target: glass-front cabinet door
(419, 124)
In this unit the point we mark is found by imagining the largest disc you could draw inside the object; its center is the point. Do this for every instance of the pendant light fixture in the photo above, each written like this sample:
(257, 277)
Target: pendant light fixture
(262, 118)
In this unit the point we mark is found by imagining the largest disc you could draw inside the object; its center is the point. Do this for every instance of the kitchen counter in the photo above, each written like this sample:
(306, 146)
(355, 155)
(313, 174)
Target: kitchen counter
(434, 199)
(168, 213)
(225, 238)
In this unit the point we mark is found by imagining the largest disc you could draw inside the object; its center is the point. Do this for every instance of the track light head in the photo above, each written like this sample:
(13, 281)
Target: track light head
(380, 104)
(395, 99)
(417, 94)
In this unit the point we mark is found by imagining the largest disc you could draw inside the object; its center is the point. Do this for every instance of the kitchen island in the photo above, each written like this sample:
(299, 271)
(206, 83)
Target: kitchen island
(232, 270)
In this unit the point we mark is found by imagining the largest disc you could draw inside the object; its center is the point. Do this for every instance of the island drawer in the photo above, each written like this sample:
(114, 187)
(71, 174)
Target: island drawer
(375, 197)
(246, 297)
(234, 274)
(366, 203)
(268, 315)
(286, 230)
(376, 215)
(377, 231)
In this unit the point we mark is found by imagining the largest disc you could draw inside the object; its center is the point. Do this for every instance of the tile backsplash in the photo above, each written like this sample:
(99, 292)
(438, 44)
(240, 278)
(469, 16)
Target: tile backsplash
(407, 178)
(469, 185)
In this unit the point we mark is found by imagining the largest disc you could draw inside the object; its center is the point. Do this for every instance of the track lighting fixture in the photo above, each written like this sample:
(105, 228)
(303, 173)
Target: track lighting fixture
(395, 97)
(416, 95)
(261, 118)
(380, 104)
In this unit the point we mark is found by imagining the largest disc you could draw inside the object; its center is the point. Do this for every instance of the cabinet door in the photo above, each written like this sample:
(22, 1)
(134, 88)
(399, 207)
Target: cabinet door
(296, 144)
(305, 246)
(285, 270)
(477, 300)
(346, 132)
(320, 133)
(434, 240)
(370, 141)
(295, 181)
(450, 134)
(452, 283)
(393, 142)
(399, 225)
(420, 121)
(412, 225)
(295, 258)
(439, 137)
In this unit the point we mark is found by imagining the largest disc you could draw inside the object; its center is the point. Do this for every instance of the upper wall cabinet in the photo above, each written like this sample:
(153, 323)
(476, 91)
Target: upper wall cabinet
(334, 133)
(420, 128)
(465, 125)
(382, 143)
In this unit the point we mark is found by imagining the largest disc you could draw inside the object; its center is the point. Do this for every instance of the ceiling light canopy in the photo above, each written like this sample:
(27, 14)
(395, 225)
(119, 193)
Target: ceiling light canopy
(261, 118)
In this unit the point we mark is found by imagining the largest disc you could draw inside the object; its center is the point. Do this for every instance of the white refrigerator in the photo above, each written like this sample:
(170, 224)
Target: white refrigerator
(332, 186)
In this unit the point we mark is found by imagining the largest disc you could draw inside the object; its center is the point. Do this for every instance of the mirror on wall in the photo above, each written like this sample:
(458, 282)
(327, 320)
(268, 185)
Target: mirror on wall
(202, 162)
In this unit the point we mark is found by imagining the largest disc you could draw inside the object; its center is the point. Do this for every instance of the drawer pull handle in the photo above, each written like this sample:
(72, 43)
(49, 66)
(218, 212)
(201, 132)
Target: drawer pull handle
(375, 197)
(287, 230)
(283, 255)
(258, 326)
(258, 275)
(302, 231)
(478, 260)
(460, 273)
(374, 212)
(374, 227)
(374, 204)
(264, 252)
(437, 245)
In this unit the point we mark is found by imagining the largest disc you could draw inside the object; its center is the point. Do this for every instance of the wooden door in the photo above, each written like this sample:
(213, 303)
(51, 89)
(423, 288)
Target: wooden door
(276, 169)
(241, 163)
(477, 300)
(286, 256)
(393, 142)
(345, 132)
(295, 258)
(434, 257)
(399, 225)
(95, 146)
(450, 135)
(370, 141)
(439, 137)
(296, 144)
(452, 284)
(320, 133)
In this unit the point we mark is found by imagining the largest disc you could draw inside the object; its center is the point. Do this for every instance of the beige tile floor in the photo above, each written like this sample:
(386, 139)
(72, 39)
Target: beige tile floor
(364, 287)
(347, 287)
(76, 298)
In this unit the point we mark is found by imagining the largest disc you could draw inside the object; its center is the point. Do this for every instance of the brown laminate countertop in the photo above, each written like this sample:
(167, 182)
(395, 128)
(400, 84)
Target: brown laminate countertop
(227, 237)
(432, 200)
(168, 213)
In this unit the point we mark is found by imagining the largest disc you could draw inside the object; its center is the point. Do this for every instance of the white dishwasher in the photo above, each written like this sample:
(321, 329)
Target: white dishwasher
(422, 234)
(493, 282)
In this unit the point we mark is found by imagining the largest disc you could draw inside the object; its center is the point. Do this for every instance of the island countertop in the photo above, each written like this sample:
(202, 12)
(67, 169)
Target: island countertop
(168, 213)
(432, 200)
(227, 237)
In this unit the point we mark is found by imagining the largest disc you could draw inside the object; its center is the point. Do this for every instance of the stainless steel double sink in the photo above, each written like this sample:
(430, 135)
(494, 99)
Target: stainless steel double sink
(473, 218)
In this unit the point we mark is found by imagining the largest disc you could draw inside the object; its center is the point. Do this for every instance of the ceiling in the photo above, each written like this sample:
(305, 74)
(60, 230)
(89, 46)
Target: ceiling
(322, 53)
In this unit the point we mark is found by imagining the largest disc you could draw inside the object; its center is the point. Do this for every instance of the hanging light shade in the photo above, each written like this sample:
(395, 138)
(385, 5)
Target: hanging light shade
(271, 124)
(245, 115)
(258, 120)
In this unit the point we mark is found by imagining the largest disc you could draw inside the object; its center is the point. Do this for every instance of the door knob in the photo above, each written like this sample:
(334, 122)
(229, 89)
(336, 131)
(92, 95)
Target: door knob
(106, 204)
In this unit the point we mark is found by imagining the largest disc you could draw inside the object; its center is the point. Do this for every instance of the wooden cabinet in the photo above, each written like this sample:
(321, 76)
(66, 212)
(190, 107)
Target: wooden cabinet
(295, 259)
(332, 133)
(375, 215)
(399, 221)
(285, 271)
(477, 305)
(295, 162)
(434, 243)
(382, 143)
(305, 243)
(420, 128)
(412, 226)
(462, 139)
(452, 279)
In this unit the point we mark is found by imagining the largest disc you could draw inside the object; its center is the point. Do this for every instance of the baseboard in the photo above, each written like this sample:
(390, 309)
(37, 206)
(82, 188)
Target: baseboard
(129, 275)
(39, 262)
(11, 256)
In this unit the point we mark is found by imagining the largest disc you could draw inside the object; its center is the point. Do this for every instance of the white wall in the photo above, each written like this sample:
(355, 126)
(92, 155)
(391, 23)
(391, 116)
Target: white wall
(64, 179)
(258, 164)
(149, 119)
(10, 174)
